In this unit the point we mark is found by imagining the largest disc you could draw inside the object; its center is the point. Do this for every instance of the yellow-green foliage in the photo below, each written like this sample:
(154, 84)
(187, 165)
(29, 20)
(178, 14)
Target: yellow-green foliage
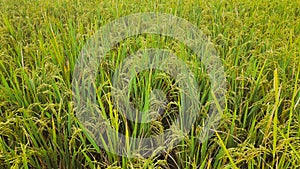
(257, 40)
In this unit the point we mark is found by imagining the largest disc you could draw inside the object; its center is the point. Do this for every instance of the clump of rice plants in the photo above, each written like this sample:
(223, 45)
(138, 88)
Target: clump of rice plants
(258, 42)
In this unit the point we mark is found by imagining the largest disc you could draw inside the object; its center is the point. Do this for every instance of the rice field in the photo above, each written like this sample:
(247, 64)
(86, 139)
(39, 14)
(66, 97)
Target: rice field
(258, 45)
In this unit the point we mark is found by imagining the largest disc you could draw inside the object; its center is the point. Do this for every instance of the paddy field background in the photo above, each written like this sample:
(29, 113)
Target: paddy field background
(257, 41)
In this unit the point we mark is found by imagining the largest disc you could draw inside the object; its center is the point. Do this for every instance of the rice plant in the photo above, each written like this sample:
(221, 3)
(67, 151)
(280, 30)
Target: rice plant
(257, 41)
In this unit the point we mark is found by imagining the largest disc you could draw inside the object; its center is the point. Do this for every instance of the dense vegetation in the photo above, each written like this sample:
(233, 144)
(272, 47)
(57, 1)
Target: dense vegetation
(258, 42)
